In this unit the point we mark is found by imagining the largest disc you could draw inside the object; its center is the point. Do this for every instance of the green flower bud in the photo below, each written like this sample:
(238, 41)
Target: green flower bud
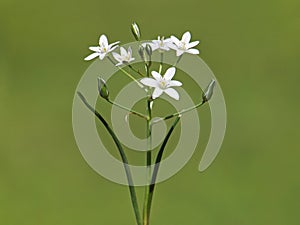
(148, 50)
(102, 88)
(142, 52)
(207, 94)
(135, 31)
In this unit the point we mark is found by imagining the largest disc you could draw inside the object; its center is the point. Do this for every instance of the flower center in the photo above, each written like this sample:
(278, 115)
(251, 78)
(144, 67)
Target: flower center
(182, 45)
(163, 84)
(103, 49)
(127, 57)
(161, 43)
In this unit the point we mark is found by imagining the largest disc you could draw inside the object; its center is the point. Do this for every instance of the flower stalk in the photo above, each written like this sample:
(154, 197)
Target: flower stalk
(128, 74)
(127, 109)
(161, 62)
(135, 70)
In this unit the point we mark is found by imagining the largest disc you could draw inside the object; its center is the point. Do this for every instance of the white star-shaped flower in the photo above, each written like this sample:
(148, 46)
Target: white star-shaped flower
(103, 49)
(161, 44)
(163, 84)
(184, 45)
(125, 56)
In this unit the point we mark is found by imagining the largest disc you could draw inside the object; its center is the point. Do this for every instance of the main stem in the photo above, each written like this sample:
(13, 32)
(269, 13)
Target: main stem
(149, 154)
(157, 164)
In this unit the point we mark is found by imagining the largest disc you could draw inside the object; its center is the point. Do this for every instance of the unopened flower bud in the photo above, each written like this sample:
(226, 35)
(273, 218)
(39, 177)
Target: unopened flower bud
(148, 50)
(207, 94)
(142, 52)
(135, 31)
(102, 88)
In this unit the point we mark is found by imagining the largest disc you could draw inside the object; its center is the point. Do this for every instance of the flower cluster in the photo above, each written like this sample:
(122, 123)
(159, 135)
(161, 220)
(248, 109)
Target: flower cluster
(161, 84)
(161, 44)
(155, 83)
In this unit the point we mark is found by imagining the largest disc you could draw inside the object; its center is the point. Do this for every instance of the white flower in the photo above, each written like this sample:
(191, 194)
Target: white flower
(125, 56)
(163, 84)
(103, 49)
(161, 44)
(184, 45)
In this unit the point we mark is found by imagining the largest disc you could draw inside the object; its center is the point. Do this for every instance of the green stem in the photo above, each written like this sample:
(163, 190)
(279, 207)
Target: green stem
(149, 132)
(178, 59)
(161, 62)
(135, 70)
(128, 74)
(127, 109)
(149, 143)
(147, 70)
(123, 156)
(179, 113)
(148, 161)
(157, 164)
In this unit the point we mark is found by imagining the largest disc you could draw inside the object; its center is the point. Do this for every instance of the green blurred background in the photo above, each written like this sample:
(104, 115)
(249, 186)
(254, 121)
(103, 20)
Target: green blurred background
(253, 49)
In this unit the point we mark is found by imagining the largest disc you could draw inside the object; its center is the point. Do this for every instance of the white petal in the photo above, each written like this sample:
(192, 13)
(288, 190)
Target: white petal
(172, 46)
(91, 56)
(156, 75)
(117, 56)
(193, 51)
(123, 51)
(172, 93)
(165, 47)
(95, 49)
(117, 42)
(186, 37)
(175, 40)
(130, 51)
(170, 73)
(131, 59)
(192, 44)
(149, 82)
(175, 83)
(154, 47)
(101, 56)
(103, 40)
(167, 40)
(156, 93)
(179, 52)
(113, 48)
(119, 64)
